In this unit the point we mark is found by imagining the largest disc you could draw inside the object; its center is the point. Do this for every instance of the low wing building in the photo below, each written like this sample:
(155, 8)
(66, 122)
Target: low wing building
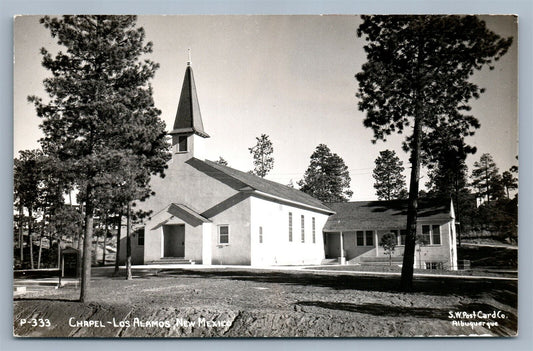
(354, 232)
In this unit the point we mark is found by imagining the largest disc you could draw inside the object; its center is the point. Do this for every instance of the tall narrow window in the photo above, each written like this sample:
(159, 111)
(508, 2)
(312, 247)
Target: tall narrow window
(290, 226)
(435, 235)
(426, 240)
(314, 235)
(360, 238)
(223, 234)
(260, 235)
(182, 143)
(369, 237)
(303, 229)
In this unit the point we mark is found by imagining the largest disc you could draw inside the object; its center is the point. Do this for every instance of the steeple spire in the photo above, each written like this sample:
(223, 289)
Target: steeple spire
(188, 118)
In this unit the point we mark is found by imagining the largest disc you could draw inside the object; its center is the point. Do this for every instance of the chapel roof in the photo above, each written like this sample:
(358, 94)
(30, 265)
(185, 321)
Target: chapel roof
(386, 215)
(250, 182)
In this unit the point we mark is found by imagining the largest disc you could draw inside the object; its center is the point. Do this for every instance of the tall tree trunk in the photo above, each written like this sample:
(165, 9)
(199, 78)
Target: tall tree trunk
(119, 230)
(21, 234)
(30, 238)
(410, 239)
(59, 252)
(105, 239)
(87, 241)
(40, 252)
(95, 254)
(128, 244)
(412, 208)
(80, 232)
(457, 211)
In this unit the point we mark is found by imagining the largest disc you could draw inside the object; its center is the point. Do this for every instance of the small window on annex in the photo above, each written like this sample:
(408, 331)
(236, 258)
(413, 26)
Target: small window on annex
(260, 235)
(434, 265)
(425, 239)
(360, 238)
(435, 235)
(369, 238)
(223, 234)
(182, 143)
(140, 237)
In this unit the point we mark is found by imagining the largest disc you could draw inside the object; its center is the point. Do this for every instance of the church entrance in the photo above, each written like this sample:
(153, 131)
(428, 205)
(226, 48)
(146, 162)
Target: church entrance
(174, 240)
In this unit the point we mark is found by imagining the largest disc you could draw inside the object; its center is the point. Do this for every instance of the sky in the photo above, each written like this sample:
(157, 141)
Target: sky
(290, 77)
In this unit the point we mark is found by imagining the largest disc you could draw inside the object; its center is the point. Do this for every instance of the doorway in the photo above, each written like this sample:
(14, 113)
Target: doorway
(174, 240)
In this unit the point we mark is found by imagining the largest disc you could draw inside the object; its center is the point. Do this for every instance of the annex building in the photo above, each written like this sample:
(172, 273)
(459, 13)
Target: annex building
(210, 214)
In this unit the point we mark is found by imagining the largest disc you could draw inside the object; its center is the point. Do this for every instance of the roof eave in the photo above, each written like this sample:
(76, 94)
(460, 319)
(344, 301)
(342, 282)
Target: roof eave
(300, 204)
(190, 131)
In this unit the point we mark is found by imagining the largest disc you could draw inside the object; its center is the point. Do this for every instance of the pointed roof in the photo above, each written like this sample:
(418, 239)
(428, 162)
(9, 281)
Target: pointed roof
(188, 118)
(249, 183)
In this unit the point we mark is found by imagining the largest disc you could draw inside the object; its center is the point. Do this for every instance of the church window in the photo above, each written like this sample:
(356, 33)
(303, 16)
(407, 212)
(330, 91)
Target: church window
(314, 230)
(223, 234)
(303, 229)
(182, 143)
(290, 226)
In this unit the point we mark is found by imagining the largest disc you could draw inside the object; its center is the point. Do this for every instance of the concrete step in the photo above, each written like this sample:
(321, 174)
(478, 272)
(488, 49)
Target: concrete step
(329, 261)
(171, 260)
(381, 259)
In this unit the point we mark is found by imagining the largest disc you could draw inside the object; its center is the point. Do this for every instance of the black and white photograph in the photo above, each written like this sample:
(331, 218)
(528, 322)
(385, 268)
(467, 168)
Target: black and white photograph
(251, 176)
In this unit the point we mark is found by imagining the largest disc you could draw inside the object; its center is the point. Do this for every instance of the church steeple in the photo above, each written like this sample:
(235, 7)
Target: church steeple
(188, 117)
(188, 126)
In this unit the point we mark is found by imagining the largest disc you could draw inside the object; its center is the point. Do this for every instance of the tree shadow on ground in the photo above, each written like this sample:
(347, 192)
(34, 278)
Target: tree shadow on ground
(381, 310)
(387, 311)
(49, 298)
(438, 286)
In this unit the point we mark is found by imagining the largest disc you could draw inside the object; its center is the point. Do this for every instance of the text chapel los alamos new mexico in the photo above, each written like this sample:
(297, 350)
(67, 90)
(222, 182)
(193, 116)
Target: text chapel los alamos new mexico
(207, 213)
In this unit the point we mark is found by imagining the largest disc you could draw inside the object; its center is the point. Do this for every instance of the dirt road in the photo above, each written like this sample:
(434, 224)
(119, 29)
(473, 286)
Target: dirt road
(250, 303)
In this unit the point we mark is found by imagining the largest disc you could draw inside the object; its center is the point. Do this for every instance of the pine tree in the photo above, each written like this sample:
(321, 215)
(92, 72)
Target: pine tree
(485, 178)
(262, 154)
(509, 182)
(418, 76)
(28, 178)
(327, 177)
(100, 121)
(390, 182)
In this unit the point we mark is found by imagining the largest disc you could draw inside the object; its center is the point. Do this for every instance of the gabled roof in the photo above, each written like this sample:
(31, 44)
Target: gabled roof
(247, 182)
(386, 215)
(188, 117)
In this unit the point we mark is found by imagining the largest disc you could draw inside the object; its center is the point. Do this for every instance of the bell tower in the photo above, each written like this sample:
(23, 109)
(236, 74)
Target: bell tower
(188, 134)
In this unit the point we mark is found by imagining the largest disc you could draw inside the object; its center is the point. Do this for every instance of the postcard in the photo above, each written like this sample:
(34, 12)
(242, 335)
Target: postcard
(232, 176)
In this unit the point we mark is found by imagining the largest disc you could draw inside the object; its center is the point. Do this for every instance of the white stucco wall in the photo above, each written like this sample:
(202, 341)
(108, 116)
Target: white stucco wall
(276, 249)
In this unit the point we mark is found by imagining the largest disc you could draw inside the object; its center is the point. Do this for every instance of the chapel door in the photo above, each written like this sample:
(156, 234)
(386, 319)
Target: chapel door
(174, 240)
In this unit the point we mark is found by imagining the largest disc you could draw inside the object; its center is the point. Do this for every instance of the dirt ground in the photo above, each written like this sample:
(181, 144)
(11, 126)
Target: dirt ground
(258, 303)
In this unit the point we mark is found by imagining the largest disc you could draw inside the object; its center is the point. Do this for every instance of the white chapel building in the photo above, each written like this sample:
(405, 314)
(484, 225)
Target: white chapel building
(210, 214)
